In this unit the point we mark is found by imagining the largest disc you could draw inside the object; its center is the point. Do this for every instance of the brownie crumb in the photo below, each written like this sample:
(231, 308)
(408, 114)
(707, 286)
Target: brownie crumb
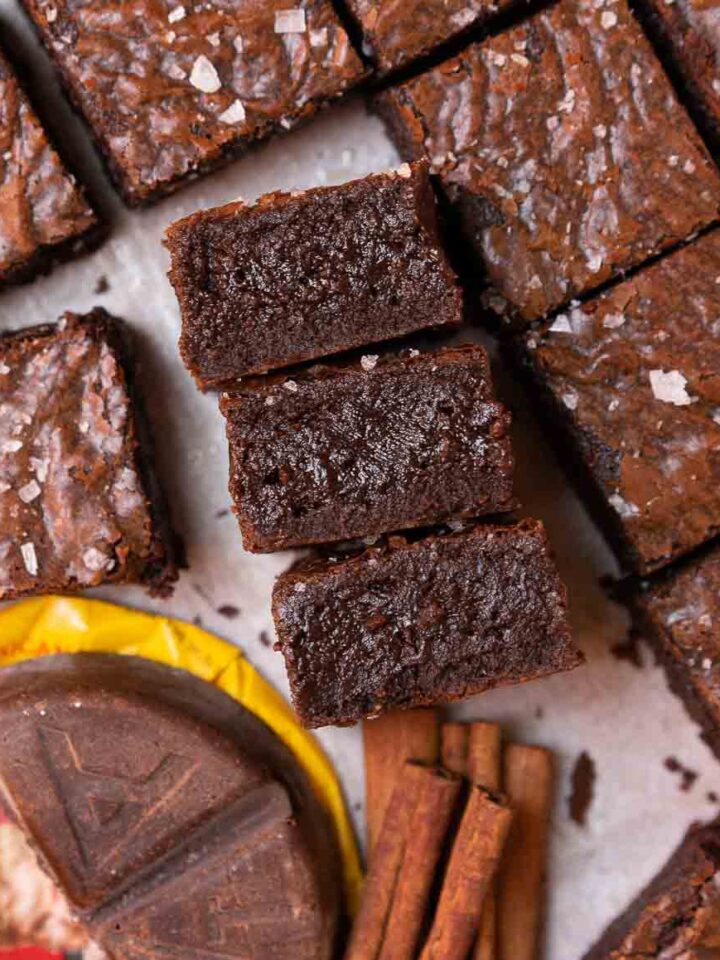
(197, 620)
(222, 513)
(687, 776)
(712, 797)
(629, 650)
(539, 713)
(264, 638)
(102, 285)
(229, 611)
(582, 788)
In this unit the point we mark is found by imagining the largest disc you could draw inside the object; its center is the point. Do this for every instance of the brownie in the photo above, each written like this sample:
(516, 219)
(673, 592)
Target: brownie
(201, 839)
(688, 33)
(633, 379)
(564, 150)
(173, 89)
(679, 613)
(302, 275)
(354, 451)
(44, 213)
(677, 914)
(396, 32)
(79, 504)
(411, 624)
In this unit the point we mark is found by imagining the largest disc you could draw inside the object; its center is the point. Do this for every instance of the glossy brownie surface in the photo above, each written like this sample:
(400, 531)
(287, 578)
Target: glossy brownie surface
(411, 624)
(172, 88)
(299, 276)
(677, 914)
(395, 32)
(634, 377)
(77, 503)
(357, 450)
(201, 837)
(43, 211)
(565, 151)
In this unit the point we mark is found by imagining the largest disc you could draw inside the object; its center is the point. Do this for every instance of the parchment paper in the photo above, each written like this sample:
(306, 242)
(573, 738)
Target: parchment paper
(621, 715)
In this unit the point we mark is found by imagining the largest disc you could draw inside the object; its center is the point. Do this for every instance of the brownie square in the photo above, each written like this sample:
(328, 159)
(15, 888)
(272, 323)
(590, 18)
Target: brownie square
(396, 32)
(564, 149)
(688, 33)
(377, 445)
(677, 913)
(171, 89)
(44, 213)
(409, 624)
(633, 379)
(679, 613)
(303, 275)
(78, 504)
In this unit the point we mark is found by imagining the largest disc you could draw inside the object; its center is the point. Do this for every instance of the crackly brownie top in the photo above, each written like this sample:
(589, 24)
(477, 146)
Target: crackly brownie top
(374, 446)
(166, 85)
(678, 914)
(302, 275)
(637, 372)
(396, 31)
(690, 30)
(40, 200)
(566, 148)
(683, 610)
(73, 511)
(421, 622)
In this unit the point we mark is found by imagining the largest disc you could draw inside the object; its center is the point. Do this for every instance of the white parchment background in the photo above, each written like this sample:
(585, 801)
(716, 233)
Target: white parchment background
(623, 716)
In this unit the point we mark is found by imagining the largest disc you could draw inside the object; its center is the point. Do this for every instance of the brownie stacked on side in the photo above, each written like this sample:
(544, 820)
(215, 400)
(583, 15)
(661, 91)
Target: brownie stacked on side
(564, 150)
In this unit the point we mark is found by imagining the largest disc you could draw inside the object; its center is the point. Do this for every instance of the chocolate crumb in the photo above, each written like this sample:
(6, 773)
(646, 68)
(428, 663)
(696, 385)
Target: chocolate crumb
(712, 797)
(228, 610)
(687, 776)
(197, 620)
(582, 789)
(629, 649)
(539, 713)
(102, 285)
(222, 513)
(264, 638)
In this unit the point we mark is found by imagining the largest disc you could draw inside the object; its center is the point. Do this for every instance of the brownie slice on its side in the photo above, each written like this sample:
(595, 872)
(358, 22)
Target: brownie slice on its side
(304, 275)
(679, 613)
(396, 32)
(44, 214)
(410, 624)
(564, 150)
(171, 90)
(358, 450)
(678, 914)
(633, 380)
(79, 504)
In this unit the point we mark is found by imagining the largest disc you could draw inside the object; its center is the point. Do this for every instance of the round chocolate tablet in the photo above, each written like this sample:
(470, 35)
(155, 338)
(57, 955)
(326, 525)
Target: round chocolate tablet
(175, 822)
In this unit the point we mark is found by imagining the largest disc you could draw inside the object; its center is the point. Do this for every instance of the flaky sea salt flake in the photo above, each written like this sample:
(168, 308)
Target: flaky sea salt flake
(235, 113)
(561, 324)
(27, 551)
(369, 362)
(177, 14)
(204, 76)
(670, 387)
(31, 491)
(613, 320)
(608, 20)
(290, 21)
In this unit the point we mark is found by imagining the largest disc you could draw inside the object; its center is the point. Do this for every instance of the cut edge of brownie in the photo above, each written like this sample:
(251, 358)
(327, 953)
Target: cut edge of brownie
(159, 571)
(327, 370)
(178, 236)
(322, 567)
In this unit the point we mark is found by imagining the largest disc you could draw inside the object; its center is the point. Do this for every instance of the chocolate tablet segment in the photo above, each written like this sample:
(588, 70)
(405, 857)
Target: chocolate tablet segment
(409, 624)
(304, 275)
(171, 90)
(564, 150)
(633, 380)
(44, 213)
(78, 501)
(378, 445)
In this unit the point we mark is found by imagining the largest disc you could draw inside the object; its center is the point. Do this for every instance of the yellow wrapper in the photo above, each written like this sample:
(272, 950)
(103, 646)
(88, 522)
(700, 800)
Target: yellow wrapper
(48, 625)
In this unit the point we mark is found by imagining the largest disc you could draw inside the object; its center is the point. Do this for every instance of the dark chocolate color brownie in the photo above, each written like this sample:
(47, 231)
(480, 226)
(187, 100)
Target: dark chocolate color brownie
(78, 500)
(396, 32)
(175, 822)
(633, 379)
(678, 914)
(44, 213)
(679, 613)
(355, 451)
(564, 150)
(409, 624)
(171, 89)
(299, 276)
(688, 32)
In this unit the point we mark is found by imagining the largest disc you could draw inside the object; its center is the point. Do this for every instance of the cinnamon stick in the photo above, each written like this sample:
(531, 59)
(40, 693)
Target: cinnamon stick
(454, 741)
(403, 865)
(389, 741)
(485, 768)
(472, 865)
(528, 784)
